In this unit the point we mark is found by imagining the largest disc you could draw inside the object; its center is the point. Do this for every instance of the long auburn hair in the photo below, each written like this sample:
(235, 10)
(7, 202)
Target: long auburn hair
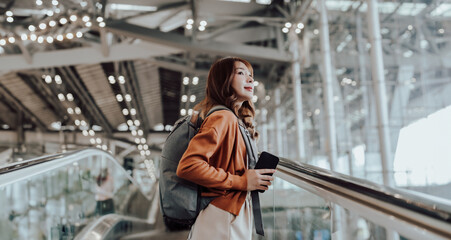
(219, 91)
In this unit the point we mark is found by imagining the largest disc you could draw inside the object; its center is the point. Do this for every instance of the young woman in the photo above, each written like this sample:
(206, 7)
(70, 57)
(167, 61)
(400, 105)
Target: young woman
(216, 156)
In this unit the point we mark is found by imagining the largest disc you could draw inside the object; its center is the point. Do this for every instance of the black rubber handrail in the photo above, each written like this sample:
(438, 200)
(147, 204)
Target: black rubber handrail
(396, 196)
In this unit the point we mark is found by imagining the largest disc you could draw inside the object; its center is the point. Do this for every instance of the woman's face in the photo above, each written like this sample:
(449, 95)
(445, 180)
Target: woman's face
(242, 82)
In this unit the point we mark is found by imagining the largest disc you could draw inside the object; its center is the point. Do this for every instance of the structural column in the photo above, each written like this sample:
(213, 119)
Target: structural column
(297, 95)
(278, 122)
(331, 139)
(264, 129)
(377, 65)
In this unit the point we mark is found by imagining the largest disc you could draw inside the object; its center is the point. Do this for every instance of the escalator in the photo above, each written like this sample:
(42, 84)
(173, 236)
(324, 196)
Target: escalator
(54, 197)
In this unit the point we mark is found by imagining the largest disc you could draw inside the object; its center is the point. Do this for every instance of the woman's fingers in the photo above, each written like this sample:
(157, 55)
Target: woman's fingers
(265, 171)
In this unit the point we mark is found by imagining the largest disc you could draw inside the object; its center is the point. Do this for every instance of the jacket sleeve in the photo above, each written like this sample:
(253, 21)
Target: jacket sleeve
(194, 165)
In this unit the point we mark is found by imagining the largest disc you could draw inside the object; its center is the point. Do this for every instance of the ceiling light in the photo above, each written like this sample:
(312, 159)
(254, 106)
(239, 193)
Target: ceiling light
(98, 140)
(99, 19)
(49, 39)
(441, 31)
(52, 23)
(102, 24)
(254, 98)
(40, 39)
(203, 23)
(190, 111)
(185, 80)
(70, 110)
(58, 79)
(70, 97)
(147, 152)
(23, 36)
(300, 25)
(192, 98)
(83, 123)
(129, 7)
(137, 140)
(130, 122)
(111, 79)
(9, 13)
(104, 147)
(134, 132)
(137, 123)
(38, 2)
(183, 112)
(287, 24)
(140, 147)
(50, 13)
(63, 20)
(92, 141)
(60, 37)
(316, 31)
(140, 132)
(143, 140)
(10, 19)
(298, 30)
(11, 40)
(77, 110)
(83, 4)
(79, 34)
(121, 79)
(125, 111)
(285, 30)
(42, 26)
(189, 27)
(77, 122)
(69, 35)
(133, 111)
(2, 42)
(201, 28)
(91, 132)
(184, 98)
(54, 2)
(33, 37)
(128, 98)
(119, 98)
(32, 28)
(146, 147)
(61, 97)
(86, 18)
(195, 80)
(85, 133)
(48, 79)
(88, 24)
(190, 21)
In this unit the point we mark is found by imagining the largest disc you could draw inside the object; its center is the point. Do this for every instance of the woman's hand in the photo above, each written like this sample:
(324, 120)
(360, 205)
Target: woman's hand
(256, 180)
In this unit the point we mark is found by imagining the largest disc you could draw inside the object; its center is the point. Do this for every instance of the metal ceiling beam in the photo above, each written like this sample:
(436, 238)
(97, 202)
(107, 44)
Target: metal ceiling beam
(88, 55)
(184, 43)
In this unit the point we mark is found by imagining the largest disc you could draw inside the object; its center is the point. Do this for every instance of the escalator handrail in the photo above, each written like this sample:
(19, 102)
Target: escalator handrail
(69, 156)
(434, 207)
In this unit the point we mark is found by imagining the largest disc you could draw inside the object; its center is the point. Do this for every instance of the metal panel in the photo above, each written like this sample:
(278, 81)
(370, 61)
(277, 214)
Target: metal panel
(26, 95)
(99, 88)
(149, 87)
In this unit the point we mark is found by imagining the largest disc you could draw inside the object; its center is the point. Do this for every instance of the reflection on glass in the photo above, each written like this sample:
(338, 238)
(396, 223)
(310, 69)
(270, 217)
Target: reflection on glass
(59, 203)
(292, 213)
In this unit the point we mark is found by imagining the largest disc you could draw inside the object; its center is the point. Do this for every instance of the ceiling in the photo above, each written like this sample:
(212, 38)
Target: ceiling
(118, 65)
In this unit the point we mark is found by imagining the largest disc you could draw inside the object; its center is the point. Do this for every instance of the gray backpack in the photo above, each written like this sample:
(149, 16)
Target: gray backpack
(180, 200)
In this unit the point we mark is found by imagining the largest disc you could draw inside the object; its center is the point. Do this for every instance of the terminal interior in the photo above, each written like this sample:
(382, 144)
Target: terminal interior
(353, 96)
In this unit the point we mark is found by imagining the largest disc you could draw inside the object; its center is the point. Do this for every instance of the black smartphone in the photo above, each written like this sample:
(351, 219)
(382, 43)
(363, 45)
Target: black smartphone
(267, 161)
